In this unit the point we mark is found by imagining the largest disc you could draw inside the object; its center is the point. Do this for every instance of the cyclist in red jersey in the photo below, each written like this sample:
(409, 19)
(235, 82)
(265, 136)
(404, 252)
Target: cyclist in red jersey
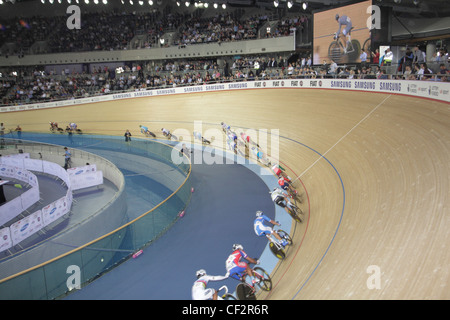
(285, 185)
(237, 268)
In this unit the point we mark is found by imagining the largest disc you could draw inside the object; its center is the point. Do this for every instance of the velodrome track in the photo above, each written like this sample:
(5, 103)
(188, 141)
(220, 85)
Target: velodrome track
(375, 168)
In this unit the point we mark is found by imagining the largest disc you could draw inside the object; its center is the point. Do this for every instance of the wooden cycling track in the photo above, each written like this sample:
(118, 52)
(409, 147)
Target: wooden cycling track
(373, 170)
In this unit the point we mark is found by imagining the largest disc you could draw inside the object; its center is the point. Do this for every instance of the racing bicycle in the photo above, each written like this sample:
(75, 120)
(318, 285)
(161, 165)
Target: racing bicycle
(225, 295)
(339, 50)
(294, 212)
(246, 290)
(275, 245)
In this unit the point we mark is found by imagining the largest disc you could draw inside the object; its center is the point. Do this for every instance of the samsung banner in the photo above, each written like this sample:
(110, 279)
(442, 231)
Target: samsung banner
(75, 179)
(436, 90)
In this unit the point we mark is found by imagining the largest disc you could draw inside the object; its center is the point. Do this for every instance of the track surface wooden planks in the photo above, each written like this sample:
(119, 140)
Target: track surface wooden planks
(373, 170)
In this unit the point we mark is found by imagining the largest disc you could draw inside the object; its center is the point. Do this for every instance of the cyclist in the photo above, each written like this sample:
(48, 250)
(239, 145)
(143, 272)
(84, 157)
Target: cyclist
(199, 290)
(263, 230)
(285, 185)
(236, 268)
(166, 133)
(280, 198)
(347, 22)
(279, 172)
(144, 130)
(198, 136)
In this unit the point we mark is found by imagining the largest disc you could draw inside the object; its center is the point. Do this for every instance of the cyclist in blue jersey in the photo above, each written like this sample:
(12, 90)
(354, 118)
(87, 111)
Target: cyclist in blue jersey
(261, 229)
(144, 129)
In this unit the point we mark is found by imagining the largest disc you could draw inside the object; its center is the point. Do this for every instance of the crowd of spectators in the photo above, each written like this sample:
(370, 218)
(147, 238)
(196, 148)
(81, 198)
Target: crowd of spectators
(24, 33)
(37, 86)
(287, 26)
(102, 31)
(219, 28)
(116, 30)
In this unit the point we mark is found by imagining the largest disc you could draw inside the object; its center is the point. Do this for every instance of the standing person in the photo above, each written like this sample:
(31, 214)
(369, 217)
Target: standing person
(19, 132)
(388, 55)
(127, 136)
(363, 58)
(418, 57)
(376, 57)
(67, 158)
(2, 194)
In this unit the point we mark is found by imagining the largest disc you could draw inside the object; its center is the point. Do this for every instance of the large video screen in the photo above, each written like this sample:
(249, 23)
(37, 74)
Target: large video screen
(351, 22)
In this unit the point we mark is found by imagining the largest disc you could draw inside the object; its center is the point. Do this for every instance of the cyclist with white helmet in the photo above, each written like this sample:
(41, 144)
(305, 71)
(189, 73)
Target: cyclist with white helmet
(280, 198)
(264, 230)
(199, 290)
(236, 268)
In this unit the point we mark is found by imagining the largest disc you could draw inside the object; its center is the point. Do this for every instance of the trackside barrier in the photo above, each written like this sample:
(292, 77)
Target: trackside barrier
(50, 279)
(423, 89)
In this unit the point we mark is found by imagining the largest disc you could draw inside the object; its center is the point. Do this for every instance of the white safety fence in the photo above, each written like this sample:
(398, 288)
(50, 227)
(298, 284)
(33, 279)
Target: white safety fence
(17, 167)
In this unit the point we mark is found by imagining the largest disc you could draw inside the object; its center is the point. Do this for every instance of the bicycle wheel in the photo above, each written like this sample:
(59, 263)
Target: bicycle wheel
(354, 55)
(335, 52)
(229, 296)
(265, 282)
(245, 292)
(294, 214)
(279, 253)
(367, 46)
(284, 235)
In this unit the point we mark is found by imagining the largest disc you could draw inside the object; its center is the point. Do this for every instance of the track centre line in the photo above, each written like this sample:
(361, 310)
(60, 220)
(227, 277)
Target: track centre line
(343, 137)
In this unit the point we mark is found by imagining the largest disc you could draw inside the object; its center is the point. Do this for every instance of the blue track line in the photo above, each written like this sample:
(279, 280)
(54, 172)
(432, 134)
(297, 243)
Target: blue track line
(340, 219)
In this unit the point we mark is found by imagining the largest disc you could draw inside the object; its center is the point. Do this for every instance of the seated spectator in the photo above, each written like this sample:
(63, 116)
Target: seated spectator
(443, 69)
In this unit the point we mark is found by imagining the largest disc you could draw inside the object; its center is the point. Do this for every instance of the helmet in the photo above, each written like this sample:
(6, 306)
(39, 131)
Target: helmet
(337, 16)
(237, 246)
(259, 213)
(200, 273)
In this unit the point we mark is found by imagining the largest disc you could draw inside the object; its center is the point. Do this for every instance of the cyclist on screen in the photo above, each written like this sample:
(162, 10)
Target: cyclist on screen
(347, 22)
